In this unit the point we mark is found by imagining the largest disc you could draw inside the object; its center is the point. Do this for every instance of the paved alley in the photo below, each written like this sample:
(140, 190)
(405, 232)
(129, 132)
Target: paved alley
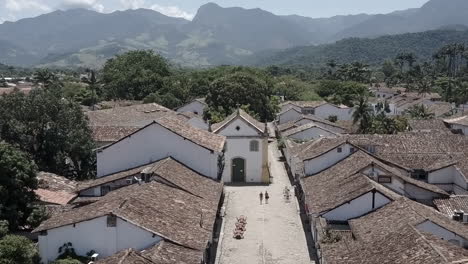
(274, 231)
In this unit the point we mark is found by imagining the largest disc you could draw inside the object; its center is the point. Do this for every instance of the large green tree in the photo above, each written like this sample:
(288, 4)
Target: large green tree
(18, 250)
(53, 130)
(134, 75)
(243, 89)
(17, 184)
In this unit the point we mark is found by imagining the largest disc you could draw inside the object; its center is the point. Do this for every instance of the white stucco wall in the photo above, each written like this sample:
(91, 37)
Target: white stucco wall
(193, 107)
(327, 110)
(418, 193)
(244, 129)
(152, 144)
(449, 179)
(288, 116)
(312, 133)
(374, 172)
(335, 129)
(326, 160)
(198, 123)
(445, 175)
(95, 235)
(357, 207)
(238, 146)
(464, 129)
(441, 232)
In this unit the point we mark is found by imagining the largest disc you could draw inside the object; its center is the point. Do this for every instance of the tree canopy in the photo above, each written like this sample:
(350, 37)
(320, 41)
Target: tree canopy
(242, 89)
(17, 184)
(134, 75)
(53, 130)
(18, 249)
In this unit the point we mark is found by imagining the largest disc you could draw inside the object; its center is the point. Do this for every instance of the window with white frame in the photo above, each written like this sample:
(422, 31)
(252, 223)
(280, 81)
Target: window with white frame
(254, 146)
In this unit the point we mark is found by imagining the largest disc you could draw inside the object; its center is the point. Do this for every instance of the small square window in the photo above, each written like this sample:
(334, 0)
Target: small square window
(352, 150)
(237, 128)
(254, 146)
(340, 150)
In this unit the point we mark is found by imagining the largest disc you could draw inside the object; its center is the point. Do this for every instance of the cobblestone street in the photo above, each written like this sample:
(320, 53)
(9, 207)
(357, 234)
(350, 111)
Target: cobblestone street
(274, 231)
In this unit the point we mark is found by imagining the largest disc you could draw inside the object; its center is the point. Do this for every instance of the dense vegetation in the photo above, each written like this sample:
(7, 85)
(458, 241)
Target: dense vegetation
(370, 51)
(52, 130)
(138, 75)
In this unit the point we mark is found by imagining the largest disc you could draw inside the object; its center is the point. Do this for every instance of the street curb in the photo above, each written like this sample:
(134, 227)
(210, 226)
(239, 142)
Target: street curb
(221, 234)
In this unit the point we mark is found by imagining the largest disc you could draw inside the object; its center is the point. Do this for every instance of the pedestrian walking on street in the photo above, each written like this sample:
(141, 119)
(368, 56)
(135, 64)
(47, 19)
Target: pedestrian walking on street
(261, 197)
(267, 196)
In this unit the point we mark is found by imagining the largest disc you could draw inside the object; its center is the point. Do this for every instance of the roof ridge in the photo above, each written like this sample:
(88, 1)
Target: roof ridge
(429, 243)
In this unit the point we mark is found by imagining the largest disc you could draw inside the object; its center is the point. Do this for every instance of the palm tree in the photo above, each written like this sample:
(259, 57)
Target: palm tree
(44, 77)
(420, 112)
(363, 114)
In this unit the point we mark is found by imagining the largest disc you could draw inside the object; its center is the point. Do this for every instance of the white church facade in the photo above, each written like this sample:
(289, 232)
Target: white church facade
(246, 152)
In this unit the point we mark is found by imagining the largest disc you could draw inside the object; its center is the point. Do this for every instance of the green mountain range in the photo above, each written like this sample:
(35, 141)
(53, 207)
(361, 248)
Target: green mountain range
(372, 51)
(216, 35)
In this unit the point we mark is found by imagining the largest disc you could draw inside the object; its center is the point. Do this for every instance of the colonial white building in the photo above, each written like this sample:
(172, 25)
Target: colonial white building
(196, 106)
(165, 137)
(308, 132)
(319, 109)
(246, 154)
(137, 217)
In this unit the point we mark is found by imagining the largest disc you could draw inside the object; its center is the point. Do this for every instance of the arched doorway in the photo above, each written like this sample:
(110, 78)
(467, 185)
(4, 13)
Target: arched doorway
(238, 170)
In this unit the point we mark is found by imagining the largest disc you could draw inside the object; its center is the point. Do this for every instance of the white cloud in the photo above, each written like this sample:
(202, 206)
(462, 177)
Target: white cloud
(172, 11)
(132, 4)
(21, 5)
(87, 4)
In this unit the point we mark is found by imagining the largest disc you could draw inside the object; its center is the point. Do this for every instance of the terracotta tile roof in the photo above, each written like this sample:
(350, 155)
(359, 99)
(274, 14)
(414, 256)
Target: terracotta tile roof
(111, 133)
(312, 118)
(110, 125)
(343, 182)
(170, 213)
(428, 125)
(406, 245)
(135, 115)
(54, 182)
(286, 126)
(170, 253)
(114, 177)
(305, 104)
(171, 172)
(163, 252)
(458, 121)
(326, 193)
(55, 189)
(55, 197)
(200, 137)
(189, 115)
(440, 109)
(304, 128)
(288, 109)
(259, 126)
(128, 256)
(180, 127)
(186, 179)
(322, 121)
(396, 215)
(454, 203)
(313, 149)
(350, 166)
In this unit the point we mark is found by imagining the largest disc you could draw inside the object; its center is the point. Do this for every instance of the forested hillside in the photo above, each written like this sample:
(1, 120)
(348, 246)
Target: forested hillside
(216, 36)
(370, 51)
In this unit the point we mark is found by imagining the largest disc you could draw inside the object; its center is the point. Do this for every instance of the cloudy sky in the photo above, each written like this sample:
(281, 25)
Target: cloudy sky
(12, 10)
